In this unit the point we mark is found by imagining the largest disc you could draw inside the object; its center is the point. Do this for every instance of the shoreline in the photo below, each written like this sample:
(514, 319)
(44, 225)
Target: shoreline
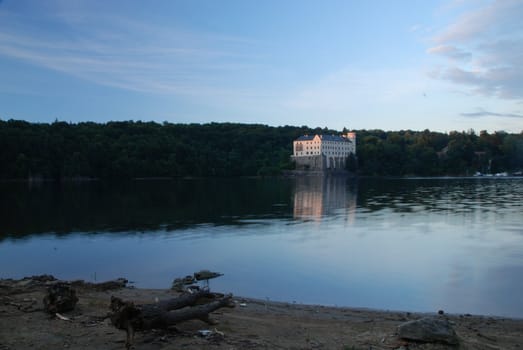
(251, 324)
(371, 309)
(286, 174)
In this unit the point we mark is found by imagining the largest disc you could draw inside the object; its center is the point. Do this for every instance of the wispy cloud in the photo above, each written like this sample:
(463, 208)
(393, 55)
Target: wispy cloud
(484, 50)
(483, 113)
(110, 50)
(451, 52)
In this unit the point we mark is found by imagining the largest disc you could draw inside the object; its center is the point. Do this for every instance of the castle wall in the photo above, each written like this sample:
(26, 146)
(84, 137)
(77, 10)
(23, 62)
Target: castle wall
(310, 162)
(319, 162)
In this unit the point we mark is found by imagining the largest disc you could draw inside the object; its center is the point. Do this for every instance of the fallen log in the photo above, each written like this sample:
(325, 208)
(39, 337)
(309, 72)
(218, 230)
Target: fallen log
(130, 317)
(187, 299)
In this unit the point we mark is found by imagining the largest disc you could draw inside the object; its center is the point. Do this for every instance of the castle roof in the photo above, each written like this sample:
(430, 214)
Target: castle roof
(323, 138)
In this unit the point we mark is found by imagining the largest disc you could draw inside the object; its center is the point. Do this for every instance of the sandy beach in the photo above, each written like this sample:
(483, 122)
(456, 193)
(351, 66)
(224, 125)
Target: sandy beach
(251, 324)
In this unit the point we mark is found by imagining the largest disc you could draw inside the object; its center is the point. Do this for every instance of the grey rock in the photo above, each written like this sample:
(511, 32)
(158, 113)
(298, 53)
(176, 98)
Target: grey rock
(429, 330)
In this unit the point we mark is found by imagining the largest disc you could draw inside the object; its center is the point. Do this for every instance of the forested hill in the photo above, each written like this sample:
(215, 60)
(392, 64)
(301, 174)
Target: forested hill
(123, 150)
(142, 149)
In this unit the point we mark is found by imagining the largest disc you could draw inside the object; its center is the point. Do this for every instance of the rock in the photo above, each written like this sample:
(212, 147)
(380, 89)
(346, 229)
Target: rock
(429, 330)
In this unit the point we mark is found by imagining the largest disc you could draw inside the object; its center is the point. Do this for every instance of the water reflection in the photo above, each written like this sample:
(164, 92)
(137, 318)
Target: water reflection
(140, 206)
(316, 197)
(147, 206)
(410, 244)
(455, 196)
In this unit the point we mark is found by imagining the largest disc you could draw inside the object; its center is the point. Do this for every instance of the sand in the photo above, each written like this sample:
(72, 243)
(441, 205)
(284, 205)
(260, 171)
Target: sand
(251, 324)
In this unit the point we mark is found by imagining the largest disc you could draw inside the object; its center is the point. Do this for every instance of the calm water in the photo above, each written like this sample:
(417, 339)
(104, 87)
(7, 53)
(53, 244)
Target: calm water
(416, 244)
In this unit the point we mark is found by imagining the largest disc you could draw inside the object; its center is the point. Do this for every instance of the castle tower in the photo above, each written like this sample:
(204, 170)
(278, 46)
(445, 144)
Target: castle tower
(351, 136)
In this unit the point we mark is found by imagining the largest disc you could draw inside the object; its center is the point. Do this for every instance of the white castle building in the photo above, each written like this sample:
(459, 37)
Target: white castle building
(323, 152)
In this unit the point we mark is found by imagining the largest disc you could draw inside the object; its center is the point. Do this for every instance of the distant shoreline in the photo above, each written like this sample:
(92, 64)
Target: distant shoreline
(286, 174)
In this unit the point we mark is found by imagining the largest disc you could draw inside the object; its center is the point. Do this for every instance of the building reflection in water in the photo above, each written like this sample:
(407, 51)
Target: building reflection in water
(316, 197)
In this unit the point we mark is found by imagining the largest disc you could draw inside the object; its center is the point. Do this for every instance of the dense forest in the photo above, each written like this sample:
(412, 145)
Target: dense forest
(126, 150)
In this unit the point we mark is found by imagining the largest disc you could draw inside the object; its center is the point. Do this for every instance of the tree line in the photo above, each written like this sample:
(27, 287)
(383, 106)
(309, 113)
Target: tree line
(135, 149)
(427, 153)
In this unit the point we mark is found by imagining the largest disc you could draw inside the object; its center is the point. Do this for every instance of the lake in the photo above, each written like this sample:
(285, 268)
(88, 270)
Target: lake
(399, 244)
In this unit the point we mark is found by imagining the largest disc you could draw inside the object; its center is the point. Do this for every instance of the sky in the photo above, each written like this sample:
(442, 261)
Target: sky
(368, 64)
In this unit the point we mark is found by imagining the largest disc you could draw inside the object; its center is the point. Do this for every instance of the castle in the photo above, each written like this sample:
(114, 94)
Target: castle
(323, 152)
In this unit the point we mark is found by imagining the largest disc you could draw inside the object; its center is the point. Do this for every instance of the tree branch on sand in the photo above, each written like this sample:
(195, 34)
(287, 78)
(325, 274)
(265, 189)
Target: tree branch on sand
(161, 315)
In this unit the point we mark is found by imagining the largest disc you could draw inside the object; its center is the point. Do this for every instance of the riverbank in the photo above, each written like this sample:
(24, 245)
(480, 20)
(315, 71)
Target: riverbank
(251, 324)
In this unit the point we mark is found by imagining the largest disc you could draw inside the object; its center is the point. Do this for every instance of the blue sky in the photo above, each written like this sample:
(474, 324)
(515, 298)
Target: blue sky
(441, 65)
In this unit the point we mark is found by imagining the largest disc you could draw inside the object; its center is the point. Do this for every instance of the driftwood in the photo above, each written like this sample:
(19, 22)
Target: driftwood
(189, 282)
(130, 317)
(102, 286)
(60, 297)
(26, 284)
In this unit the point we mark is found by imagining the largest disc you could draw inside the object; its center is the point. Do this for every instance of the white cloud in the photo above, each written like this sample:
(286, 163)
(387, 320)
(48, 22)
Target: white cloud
(111, 50)
(484, 50)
